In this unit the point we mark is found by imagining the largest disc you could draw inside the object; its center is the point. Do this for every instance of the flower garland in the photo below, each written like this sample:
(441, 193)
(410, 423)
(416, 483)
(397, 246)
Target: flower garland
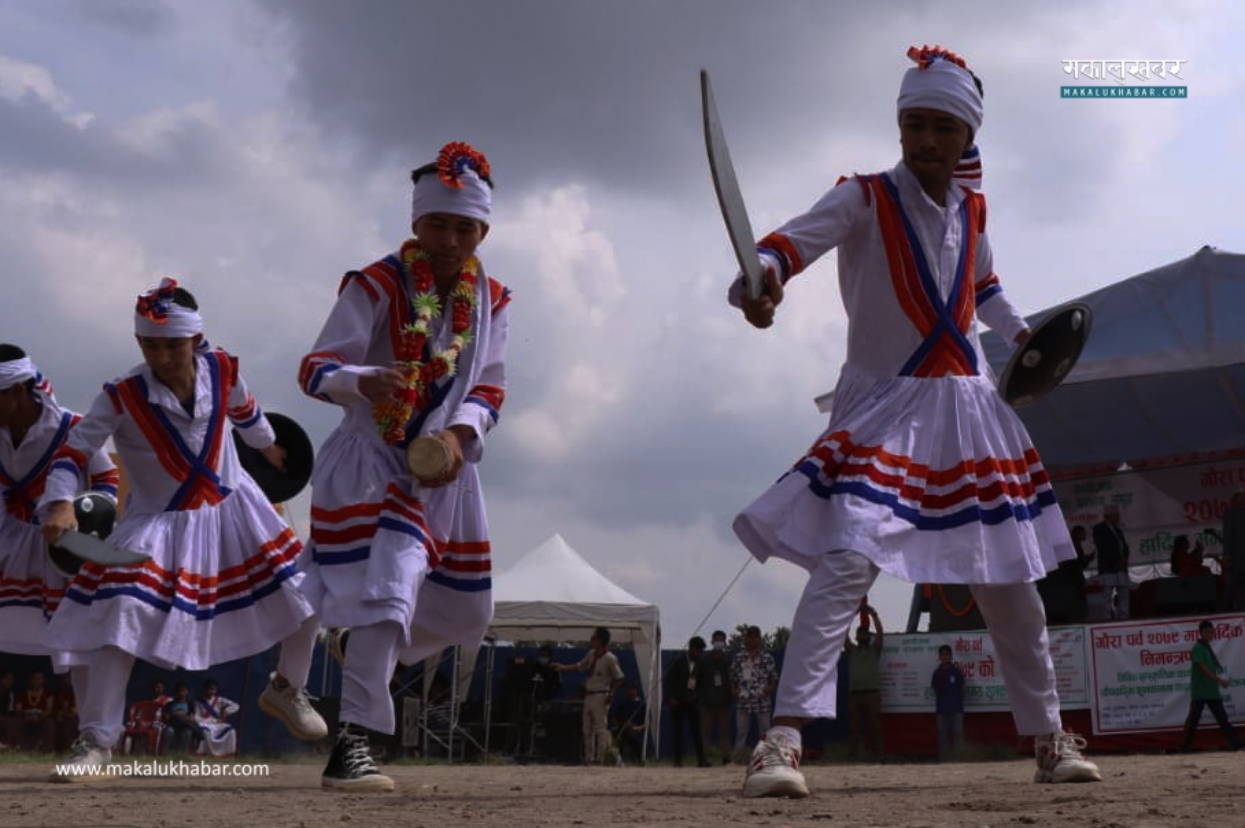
(392, 415)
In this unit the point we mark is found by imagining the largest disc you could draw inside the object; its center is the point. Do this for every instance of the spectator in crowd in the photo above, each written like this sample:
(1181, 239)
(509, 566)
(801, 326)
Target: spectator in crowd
(181, 730)
(1234, 553)
(529, 683)
(714, 689)
(1113, 554)
(9, 721)
(160, 698)
(864, 699)
(628, 723)
(682, 697)
(212, 712)
(158, 694)
(604, 676)
(517, 697)
(35, 706)
(1205, 680)
(1066, 585)
(754, 678)
(1187, 561)
(948, 684)
(546, 678)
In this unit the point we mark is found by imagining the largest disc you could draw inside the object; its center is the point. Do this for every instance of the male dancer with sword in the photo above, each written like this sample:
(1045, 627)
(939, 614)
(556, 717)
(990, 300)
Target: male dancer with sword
(923, 472)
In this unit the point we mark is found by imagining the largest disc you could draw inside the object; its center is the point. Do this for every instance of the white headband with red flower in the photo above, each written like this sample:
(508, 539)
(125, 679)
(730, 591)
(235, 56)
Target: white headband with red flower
(941, 80)
(156, 315)
(458, 188)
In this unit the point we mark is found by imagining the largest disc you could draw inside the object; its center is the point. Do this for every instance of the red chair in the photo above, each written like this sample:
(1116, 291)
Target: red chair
(144, 727)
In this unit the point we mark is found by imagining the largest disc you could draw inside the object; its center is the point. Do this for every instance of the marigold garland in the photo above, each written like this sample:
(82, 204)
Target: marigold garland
(392, 415)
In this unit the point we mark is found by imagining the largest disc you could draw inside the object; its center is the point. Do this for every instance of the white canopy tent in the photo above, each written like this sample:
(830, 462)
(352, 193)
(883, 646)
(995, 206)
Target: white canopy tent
(553, 594)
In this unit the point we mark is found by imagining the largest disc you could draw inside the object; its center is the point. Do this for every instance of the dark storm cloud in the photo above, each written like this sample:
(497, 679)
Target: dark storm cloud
(144, 18)
(599, 91)
(37, 138)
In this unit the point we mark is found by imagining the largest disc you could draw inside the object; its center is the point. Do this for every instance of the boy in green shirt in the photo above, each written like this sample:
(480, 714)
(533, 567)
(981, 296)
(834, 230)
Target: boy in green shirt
(1204, 683)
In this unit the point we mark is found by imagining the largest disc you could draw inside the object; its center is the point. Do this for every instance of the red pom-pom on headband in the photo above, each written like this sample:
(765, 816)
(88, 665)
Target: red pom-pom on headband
(155, 304)
(455, 189)
(927, 54)
(157, 315)
(456, 157)
(941, 80)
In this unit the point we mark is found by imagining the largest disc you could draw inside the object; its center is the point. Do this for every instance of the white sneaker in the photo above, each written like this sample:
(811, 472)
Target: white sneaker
(774, 769)
(1059, 759)
(86, 762)
(294, 709)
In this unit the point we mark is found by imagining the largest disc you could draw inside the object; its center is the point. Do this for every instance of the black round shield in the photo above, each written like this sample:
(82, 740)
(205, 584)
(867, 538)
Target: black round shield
(96, 515)
(1047, 356)
(277, 485)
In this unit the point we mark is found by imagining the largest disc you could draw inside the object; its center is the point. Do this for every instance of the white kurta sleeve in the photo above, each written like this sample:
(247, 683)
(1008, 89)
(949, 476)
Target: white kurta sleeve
(481, 407)
(245, 413)
(332, 370)
(993, 306)
(86, 440)
(102, 474)
(804, 239)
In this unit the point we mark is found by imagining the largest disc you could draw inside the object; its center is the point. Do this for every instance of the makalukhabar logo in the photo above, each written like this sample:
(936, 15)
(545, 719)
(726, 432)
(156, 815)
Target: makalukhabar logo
(1133, 79)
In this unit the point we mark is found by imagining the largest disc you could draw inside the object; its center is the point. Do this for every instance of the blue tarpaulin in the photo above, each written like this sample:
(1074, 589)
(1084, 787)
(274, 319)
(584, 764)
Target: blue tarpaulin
(1162, 375)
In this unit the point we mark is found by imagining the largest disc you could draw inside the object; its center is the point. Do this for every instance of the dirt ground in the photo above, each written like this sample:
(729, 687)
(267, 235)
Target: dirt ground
(1137, 792)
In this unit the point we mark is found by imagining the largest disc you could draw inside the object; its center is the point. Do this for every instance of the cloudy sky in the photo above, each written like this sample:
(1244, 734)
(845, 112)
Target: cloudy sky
(257, 149)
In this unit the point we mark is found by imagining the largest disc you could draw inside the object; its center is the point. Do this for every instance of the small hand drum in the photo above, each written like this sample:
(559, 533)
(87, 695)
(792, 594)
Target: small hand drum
(277, 485)
(427, 457)
(1047, 356)
(96, 515)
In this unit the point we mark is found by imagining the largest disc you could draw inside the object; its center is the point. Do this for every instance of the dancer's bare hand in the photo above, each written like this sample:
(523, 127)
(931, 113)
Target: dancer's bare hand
(60, 520)
(275, 455)
(759, 311)
(381, 385)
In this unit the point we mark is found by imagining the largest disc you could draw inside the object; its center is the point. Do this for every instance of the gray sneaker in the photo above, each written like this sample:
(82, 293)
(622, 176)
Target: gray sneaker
(774, 769)
(86, 762)
(1059, 759)
(292, 706)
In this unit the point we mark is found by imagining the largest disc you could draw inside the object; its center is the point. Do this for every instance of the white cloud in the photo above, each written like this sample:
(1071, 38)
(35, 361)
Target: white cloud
(19, 78)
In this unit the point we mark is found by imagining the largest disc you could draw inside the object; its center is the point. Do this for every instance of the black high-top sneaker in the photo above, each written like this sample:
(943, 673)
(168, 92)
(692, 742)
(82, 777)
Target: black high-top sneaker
(351, 767)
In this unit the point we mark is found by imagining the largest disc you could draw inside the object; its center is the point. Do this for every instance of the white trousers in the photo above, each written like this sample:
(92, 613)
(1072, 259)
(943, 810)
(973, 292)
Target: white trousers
(296, 651)
(371, 655)
(99, 684)
(99, 687)
(808, 686)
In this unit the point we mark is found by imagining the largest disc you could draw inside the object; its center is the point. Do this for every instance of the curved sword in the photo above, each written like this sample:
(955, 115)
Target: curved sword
(730, 199)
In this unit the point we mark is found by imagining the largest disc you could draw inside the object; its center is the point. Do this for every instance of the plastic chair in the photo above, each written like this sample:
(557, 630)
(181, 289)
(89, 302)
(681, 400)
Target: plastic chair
(144, 727)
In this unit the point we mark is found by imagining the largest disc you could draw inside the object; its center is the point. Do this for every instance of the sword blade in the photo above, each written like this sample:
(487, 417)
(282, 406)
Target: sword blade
(730, 199)
(91, 548)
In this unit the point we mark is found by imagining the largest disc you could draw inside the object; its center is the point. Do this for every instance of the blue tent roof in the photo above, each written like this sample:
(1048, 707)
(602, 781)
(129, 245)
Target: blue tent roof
(1163, 373)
